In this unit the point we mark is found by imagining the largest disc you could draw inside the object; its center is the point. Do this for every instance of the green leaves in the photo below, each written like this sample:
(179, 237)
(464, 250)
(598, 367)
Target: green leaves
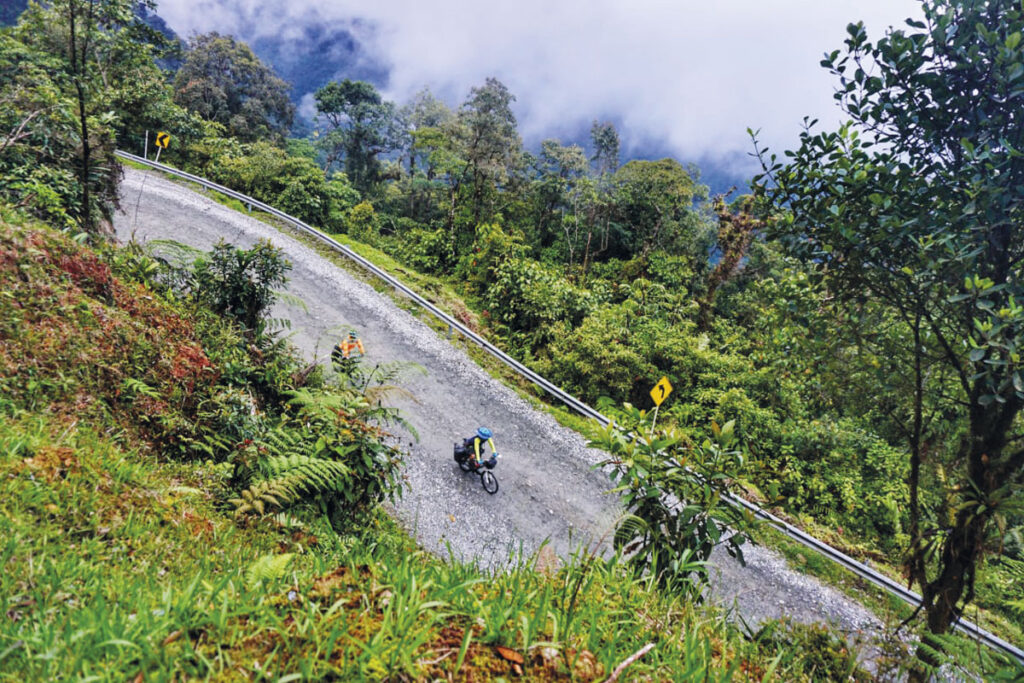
(223, 81)
(241, 283)
(267, 568)
(673, 492)
(361, 125)
(914, 208)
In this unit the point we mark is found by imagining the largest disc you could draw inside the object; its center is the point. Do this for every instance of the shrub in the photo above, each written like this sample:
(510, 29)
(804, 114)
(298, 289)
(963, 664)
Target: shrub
(241, 283)
(321, 452)
(524, 295)
(672, 490)
(362, 223)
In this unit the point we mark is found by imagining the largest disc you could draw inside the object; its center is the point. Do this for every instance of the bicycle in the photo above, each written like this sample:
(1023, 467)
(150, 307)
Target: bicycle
(468, 464)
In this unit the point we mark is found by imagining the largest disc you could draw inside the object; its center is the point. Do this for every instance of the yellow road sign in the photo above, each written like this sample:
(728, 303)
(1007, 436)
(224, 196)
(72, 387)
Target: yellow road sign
(661, 391)
(162, 139)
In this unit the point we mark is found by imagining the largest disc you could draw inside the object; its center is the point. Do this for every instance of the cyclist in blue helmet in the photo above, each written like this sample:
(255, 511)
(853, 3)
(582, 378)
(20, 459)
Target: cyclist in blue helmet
(471, 446)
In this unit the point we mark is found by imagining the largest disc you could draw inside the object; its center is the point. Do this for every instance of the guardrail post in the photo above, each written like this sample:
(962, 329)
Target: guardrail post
(449, 331)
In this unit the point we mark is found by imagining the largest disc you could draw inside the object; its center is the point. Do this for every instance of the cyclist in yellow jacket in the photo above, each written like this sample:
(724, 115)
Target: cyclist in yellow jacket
(472, 447)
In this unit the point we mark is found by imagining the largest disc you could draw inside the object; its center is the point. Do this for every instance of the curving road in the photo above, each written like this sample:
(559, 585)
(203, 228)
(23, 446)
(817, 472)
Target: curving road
(549, 489)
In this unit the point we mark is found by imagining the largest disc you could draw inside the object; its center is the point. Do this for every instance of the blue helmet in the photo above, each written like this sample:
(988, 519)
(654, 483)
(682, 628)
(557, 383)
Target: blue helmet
(484, 433)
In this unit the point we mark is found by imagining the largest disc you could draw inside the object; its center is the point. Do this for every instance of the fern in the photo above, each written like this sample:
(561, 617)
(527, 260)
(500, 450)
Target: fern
(134, 387)
(175, 254)
(291, 301)
(1015, 568)
(953, 651)
(290, 479)
(267, 568)
(327, 405)
(323, 450)
(377, 385)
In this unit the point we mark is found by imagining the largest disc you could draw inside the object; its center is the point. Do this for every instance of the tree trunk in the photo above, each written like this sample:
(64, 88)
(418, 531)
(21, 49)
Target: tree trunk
(964, 545)
(86, 160)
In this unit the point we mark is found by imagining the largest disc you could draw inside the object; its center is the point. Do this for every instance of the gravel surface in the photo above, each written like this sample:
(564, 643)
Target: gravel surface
(549, 490)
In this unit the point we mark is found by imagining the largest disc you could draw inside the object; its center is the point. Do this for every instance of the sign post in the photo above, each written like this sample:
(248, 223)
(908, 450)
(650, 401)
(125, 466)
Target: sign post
(161, 142)
(659, 393)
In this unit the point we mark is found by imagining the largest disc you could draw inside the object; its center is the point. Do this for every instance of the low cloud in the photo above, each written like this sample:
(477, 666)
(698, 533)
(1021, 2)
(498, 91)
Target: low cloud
(684, 77)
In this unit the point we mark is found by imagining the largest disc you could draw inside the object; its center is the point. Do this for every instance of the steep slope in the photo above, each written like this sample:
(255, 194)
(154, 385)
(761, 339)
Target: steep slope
(548, 487)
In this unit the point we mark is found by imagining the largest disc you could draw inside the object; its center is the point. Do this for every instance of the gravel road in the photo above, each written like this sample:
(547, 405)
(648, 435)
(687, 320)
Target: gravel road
(549, 490)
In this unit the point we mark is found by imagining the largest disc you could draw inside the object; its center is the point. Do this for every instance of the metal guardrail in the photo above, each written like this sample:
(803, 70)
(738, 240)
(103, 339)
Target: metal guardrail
(860, 569)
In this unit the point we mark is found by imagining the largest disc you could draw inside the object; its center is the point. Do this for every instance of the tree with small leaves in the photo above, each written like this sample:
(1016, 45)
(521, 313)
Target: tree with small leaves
(912, 215)
(223, 81)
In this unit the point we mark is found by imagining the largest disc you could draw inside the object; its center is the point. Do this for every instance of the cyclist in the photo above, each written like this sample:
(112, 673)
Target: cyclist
(345, 356)
(471, 447)
(349, 348)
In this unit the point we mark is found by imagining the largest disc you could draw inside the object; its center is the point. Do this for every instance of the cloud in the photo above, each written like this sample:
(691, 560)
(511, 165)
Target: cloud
(677, 75)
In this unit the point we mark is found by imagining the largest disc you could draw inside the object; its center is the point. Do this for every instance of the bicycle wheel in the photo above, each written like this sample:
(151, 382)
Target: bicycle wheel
(490, 482)
(466, 467)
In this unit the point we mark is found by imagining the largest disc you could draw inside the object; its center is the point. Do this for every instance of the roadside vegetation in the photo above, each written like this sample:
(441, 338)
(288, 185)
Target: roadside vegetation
(855, 322)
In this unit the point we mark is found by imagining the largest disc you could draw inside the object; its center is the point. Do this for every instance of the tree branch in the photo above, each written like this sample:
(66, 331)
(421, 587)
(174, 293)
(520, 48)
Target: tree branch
(627, 661)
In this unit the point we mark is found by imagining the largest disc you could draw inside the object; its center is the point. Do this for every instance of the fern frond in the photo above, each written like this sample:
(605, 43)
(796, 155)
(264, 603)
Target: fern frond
(327, 405)
(386, 392)
(268, 567)
(174, 253)
(283, 443)
(392, 416)
(955, 650)
(291, 300)
(136, 387)
(290, 479)
(388, 373)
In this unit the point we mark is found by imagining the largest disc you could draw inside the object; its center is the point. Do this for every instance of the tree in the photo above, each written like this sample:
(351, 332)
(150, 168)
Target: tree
(911, 214)
(654, 200)
(561, 172)
(735, 233)
(605, 140)
(606, 148)
(362, 126)
(93, 46)
(424, 112)
(223, 81)
(490, 144)
(37, 135)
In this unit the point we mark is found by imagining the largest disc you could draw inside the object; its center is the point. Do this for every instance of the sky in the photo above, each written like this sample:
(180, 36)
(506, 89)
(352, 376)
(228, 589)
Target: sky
(677, 77)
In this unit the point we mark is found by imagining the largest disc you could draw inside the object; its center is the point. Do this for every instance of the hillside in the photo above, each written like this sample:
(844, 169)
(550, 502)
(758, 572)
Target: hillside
(122, 557)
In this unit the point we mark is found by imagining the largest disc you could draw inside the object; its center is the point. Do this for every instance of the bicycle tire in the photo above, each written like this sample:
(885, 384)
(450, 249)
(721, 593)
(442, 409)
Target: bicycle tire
(464, 464)
(489, 481)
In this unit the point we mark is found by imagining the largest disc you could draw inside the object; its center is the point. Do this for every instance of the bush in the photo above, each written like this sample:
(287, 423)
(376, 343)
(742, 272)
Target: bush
(525, 295)
(428, 251)
(322, 451)
(241, 283)
(362, 223)
(672, 490)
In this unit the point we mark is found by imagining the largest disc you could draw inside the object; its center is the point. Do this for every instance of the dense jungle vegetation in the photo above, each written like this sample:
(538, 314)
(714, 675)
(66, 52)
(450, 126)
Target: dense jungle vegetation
(855, 318)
